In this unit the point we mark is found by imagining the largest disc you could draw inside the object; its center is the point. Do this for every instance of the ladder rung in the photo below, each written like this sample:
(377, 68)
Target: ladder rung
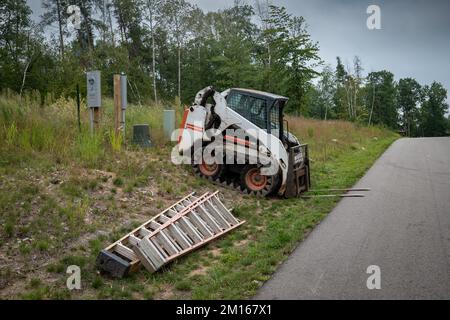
(155, 225)
(198, 222)
(209, 220)
(224, 224)
(154, 255)
(133, 240)
(224, 211)
(164, 219)
(171, 213)
(125, 251)
(180, 208)
(160, 246)
(167, 243)
(190, 230)
(180, 237)
(144, 232)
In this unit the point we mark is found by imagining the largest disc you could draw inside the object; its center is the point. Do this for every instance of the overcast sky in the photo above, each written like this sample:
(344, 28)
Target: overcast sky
(414, 40)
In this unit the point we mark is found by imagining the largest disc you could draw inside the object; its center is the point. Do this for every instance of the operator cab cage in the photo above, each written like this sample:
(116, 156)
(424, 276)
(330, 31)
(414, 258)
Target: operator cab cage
(261, 108)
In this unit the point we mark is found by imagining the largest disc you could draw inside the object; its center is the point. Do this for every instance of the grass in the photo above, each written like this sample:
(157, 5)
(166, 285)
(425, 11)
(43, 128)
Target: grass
(66, 194)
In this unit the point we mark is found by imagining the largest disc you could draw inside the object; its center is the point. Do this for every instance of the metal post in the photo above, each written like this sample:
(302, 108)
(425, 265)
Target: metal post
(78, 107)
(123, 89)
(91, 119)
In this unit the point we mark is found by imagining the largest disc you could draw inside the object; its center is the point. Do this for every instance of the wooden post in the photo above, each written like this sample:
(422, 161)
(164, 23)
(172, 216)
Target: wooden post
(97, 118)
(117, 104)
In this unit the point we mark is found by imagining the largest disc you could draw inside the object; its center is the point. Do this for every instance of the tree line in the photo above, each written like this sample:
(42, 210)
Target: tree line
(406, 105)
(171, 48)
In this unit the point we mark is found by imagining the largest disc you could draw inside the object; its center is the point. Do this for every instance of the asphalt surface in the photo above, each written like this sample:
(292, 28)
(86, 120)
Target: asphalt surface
(402, 226)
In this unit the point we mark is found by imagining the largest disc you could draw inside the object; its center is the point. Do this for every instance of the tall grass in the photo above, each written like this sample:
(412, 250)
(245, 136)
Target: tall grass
(329, 139)
(27, 127)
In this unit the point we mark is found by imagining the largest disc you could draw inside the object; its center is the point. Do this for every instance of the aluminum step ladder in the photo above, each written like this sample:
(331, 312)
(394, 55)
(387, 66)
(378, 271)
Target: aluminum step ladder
(197, 224)
(119, 259)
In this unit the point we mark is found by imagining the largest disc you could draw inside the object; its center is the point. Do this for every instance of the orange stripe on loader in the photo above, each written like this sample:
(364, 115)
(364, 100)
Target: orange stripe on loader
(183, 124)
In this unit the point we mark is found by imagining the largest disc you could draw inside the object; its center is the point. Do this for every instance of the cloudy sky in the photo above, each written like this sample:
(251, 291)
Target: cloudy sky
(414, 39)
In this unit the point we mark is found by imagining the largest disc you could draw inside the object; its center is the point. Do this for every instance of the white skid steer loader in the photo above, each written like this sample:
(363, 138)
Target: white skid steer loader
(241, 139)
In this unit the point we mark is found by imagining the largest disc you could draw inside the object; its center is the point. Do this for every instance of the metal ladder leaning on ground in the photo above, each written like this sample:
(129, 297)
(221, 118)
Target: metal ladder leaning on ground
(172, 233)
(199, 223)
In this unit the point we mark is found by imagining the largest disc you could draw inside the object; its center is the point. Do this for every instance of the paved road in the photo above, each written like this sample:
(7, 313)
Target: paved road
(402, 226)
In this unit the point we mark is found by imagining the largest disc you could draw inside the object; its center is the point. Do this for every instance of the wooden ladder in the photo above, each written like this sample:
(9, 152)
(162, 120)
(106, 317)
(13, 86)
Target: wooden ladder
(119, 259)
(197, 224)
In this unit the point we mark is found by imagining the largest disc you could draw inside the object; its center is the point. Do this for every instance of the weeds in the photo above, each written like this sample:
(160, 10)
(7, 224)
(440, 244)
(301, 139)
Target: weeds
(11, 134)
(115, 141)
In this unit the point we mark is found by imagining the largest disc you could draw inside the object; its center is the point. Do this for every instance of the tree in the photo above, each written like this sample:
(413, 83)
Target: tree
(323, 96)
(232, 47)
(129, 16)
(340, 96)
(294, 56)
(434, 108)
(176, 13)
(408, 97)
(152, 14)
(349, 94)
(55, 11)
(263, 11)
(355, 88)
(16, 51)
(382, 99)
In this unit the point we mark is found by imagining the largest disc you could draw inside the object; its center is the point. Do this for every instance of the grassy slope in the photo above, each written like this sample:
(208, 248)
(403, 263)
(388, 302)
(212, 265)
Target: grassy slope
(65, 195)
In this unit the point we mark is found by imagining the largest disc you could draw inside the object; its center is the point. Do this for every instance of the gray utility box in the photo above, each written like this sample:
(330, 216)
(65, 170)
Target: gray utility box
(169, 123)
(94, 89)
(141, 135)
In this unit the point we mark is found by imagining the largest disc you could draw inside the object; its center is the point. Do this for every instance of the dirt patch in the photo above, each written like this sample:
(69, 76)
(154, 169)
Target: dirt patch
(241, 243)
(201, 271)
(216, 252)
(166, 293)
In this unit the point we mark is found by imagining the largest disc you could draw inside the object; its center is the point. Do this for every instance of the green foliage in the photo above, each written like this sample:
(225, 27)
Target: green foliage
(434, 108)
(88, 147)
(115, 141)
(11, 134)
(118, 182)
(294, 57)
(409, 94)
(172, 49)
(382, 99)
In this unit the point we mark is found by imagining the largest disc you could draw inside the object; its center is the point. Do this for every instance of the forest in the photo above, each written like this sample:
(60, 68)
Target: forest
(171, 49)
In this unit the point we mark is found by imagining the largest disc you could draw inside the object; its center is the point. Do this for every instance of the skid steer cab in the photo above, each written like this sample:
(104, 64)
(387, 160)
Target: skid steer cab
(240, 138)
